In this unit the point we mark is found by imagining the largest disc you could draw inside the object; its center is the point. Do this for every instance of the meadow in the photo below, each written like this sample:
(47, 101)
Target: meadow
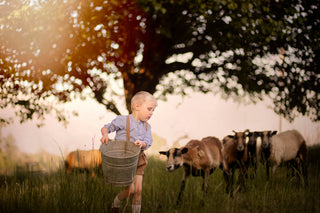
(55, 192)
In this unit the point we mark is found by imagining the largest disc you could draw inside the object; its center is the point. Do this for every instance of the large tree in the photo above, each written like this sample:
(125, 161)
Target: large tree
(247, 48)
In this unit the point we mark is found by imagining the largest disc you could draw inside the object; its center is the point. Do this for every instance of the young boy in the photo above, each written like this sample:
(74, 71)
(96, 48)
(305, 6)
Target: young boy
(142, 106)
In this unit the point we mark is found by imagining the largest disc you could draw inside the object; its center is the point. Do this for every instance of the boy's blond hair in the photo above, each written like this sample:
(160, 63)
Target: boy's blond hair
(141, 97)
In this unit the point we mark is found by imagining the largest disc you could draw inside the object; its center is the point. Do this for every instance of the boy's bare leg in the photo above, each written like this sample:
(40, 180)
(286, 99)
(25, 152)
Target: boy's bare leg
(136, 199)
(129, 190)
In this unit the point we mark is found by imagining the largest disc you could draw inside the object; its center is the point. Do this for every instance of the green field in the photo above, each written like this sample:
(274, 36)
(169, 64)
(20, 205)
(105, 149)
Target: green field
(54, 192)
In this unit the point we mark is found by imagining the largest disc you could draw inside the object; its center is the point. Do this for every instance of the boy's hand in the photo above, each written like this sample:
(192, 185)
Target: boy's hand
(141, 144)
(104, 138)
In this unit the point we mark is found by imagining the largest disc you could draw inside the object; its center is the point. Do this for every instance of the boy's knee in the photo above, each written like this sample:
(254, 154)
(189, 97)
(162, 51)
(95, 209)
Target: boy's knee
(138, 190)
(131, 193)
(131, 190)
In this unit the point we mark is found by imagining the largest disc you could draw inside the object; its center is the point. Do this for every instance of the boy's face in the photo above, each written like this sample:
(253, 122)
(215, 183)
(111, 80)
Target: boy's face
(145, 110)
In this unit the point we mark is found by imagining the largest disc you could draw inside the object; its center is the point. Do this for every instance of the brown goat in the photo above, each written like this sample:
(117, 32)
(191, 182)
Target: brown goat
(235, 153)
(83, 159)
(198, 158)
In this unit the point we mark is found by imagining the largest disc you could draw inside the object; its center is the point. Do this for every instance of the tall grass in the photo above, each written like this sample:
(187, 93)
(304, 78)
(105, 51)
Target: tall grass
(55, 192)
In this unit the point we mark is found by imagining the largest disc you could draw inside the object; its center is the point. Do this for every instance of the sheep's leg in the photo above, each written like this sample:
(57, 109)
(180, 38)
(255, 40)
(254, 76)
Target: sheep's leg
(303, 156)
(295, 167)
(255, 162)
(245, 170)
(205, 181)
(267, 169)
(93, 174)
(226, 176)
(68, 170)
(242, 173)
(305, 172)
(275, 167)
(242, 176)
(182, 187)
(183, 184)
(231, 180)
(300, 167)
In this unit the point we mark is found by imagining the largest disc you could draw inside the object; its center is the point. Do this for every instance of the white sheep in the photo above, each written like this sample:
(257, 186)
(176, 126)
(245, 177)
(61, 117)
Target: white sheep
(288, 146)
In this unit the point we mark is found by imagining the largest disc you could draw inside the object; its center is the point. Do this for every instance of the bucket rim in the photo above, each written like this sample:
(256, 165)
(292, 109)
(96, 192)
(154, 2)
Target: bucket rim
(134, 152)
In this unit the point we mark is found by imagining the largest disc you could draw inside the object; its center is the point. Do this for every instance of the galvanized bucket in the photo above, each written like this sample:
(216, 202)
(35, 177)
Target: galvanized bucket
(119, 162)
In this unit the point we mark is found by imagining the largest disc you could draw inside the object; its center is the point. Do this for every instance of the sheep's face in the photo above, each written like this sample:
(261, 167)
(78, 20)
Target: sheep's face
(174, 157)
(266, 138)
(252, 136)
(240, 138)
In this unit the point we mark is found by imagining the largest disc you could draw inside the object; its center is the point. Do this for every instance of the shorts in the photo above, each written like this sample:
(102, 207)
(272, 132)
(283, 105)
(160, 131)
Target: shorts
(142, 163)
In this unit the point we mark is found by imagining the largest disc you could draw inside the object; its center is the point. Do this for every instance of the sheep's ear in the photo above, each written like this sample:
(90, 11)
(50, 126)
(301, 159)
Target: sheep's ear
(230, 136)
(184, 150)
(274, 132)
(163, 153)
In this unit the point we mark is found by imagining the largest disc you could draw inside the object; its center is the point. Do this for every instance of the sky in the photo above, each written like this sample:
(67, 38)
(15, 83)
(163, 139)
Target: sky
(195, 117)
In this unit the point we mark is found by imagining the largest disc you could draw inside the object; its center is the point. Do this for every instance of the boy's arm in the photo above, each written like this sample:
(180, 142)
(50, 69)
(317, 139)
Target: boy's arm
(147, 141)
(104, 132)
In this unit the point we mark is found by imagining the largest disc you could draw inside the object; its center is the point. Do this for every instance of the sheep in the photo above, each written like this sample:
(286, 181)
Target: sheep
(235, 153)
(288, 146)
(266, 148)
(254, 151)
(83, 159)
(198, 158)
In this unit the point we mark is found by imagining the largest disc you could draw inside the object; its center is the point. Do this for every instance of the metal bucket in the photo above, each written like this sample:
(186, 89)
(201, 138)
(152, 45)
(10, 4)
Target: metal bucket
(119, 162)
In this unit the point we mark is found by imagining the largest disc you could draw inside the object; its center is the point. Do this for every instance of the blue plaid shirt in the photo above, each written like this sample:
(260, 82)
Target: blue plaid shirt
(137, 130)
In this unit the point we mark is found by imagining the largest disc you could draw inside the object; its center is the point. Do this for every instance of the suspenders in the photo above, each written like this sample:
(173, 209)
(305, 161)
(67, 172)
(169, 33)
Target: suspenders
(128, 128)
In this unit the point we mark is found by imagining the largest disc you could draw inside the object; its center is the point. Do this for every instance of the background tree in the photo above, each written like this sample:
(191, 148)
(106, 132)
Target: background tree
(9, 153)
(58, 48)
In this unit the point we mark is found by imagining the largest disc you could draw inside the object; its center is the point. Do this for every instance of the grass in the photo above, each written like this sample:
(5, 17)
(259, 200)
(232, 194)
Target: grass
(54, 192)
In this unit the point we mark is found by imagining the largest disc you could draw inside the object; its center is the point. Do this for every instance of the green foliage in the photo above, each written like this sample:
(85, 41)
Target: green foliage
(54, 192)
(59, 48)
